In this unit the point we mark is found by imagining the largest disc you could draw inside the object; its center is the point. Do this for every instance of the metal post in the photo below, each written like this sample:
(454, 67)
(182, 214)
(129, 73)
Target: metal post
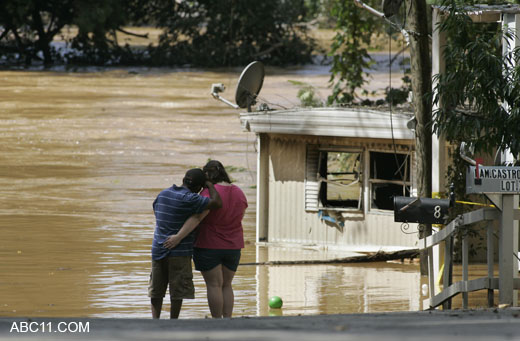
(262, 185)
(438, 141)
(431, 273)
(505, 262)
(490, 261)
(465, 254)
(438, 67)
(515, 248)
(446, 279)
(510, 21)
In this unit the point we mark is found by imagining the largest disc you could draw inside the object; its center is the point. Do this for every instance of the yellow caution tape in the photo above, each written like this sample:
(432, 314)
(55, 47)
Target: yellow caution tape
(441, 274)
(439, 195)
(473, 203)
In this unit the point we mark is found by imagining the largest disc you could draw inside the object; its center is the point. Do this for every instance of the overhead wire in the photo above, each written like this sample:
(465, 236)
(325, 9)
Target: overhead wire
(390, 103)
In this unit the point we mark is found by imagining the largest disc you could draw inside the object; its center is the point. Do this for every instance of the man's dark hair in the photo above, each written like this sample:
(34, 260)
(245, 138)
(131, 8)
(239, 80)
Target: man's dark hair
(194, 179)
(216, 172)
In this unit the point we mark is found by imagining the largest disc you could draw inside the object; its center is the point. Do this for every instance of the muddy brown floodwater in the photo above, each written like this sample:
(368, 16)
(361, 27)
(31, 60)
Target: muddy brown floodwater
(83, 155)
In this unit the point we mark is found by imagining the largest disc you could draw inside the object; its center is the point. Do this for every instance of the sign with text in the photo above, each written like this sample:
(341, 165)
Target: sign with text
(492, 179)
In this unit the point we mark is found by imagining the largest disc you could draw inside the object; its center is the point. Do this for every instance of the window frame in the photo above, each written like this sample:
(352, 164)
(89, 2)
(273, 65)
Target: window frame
(313, 184)
(324, 184)
(371, 181)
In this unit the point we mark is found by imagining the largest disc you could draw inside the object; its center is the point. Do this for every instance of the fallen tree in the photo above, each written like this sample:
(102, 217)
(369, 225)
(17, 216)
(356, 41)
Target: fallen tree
(379, 256)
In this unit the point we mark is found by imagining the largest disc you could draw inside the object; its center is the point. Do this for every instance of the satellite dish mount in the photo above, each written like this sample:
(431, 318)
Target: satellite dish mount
(248, 87)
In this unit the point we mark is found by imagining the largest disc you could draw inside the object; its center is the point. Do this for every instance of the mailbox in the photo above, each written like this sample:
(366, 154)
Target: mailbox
(421, 210)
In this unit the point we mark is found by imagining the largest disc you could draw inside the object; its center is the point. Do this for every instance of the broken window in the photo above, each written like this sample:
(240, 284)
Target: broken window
(340, 179)
(389, 177)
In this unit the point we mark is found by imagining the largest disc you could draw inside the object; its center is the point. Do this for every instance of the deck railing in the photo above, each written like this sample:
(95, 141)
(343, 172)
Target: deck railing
(446, 236)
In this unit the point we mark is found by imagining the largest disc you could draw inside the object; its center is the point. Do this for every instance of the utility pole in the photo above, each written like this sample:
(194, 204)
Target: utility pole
(417, 27)
(416, 32)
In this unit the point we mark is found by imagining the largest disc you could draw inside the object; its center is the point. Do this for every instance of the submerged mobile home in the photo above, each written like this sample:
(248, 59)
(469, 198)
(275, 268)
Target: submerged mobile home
(326, 177)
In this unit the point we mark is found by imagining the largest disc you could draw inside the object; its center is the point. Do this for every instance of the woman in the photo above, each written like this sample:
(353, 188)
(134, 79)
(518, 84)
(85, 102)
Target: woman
(220, 238)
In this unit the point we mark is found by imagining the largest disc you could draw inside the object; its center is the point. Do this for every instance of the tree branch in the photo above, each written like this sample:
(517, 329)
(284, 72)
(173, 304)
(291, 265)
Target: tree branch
(269, 50)
(4, 33)
(133, 34)
(469, 113)
(379, 256)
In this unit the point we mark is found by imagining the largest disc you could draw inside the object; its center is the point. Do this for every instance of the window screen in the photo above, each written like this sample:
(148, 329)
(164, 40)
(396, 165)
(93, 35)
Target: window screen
(340, 179)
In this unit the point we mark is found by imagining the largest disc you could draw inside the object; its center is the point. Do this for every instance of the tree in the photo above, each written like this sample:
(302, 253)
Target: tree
(422, 104)
(199, 33)
(98, 22)
(351, 59)
(30, 26)
(355, 29)
(226, 33)
(481, 88)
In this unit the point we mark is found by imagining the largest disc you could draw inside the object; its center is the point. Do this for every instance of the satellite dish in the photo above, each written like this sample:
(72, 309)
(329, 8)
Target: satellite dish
(249, 85)
(391, 7)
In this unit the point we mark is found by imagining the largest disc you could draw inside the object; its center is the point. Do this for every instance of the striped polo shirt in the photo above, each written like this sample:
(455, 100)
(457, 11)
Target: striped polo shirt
(172, 207)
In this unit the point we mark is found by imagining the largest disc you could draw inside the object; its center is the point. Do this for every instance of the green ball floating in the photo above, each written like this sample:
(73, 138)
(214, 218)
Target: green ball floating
(275, 302)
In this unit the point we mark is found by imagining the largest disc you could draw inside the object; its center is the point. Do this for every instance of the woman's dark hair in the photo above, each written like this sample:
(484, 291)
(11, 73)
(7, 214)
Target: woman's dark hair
(215, 172)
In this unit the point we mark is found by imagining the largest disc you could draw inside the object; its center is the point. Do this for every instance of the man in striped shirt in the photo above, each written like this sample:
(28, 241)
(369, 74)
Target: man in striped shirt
(172, 266)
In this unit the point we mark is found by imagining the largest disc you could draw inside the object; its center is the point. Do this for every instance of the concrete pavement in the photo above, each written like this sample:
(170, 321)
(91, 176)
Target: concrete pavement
(492, 324)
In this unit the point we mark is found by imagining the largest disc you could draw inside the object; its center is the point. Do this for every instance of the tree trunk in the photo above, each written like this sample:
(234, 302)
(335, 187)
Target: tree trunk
(421, 86)
(43, 42)
(379, 256)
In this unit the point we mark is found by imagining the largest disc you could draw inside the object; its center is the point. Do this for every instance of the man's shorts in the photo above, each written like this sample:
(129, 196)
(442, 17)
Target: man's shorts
(207, 259)
(173, 271)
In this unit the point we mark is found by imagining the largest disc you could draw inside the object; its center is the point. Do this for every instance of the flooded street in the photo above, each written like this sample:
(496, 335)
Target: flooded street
(83, 155)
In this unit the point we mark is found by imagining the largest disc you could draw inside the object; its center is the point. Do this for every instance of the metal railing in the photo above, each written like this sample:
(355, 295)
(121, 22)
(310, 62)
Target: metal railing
(446, 236)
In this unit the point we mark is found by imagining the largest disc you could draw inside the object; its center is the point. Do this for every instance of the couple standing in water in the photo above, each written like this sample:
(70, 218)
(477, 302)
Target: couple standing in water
(208, 200)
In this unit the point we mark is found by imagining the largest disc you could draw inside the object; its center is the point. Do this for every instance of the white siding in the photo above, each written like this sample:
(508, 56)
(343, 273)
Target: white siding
(291, 222)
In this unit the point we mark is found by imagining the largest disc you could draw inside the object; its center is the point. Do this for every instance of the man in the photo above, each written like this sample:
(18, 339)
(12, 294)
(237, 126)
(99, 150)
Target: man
(172, 208)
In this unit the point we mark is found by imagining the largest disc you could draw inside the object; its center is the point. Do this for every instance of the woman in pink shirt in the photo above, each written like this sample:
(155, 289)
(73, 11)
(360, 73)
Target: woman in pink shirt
(219, 241)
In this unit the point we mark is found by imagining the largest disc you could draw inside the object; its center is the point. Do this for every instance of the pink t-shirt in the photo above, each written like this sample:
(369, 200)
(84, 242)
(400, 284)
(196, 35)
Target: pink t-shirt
(222, 228)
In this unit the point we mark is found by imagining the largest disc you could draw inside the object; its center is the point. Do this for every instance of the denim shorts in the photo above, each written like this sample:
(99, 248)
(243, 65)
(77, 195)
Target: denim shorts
(207, 259)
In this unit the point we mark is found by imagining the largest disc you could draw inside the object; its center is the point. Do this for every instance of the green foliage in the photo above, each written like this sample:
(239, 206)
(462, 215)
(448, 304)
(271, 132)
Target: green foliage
(347, 161)
(319, 11)
(354, 31)
(97, 22)
(234, 169)
(480, 97)
(227, 33)
(29, 26)
(478, 83)
(197, 33)
(456, 175)
(307, 94)
(462, 3)
(397, 95)
(313, 9)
